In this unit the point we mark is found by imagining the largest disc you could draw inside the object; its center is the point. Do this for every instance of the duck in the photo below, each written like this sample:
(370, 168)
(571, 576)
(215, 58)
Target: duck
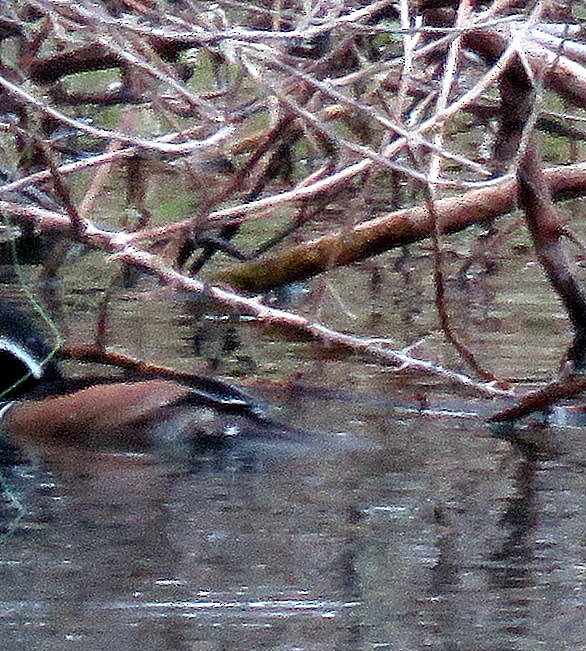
(39, 404)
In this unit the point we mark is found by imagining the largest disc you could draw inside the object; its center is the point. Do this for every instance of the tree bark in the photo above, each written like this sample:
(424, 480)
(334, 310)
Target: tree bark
(398, 228)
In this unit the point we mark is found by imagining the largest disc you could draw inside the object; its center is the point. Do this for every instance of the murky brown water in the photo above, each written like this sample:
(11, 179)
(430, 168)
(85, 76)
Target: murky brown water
(432, 533)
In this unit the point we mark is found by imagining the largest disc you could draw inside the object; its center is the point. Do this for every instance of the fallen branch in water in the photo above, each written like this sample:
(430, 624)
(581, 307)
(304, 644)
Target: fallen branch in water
(542, 399)
(214, 388)
(547, 231)
(369, 238)
(254, 306)
(95, 355)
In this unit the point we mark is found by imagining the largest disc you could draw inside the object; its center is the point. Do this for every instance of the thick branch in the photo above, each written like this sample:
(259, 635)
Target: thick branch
(565, 77)
(118, 244)
(395, 229)
(547, 232)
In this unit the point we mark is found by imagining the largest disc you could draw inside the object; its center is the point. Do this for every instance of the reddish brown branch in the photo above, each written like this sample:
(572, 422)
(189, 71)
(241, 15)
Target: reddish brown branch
(491, 44)
(95, 355)
(94, 56)
(441, 299)
(547, 233)
(542, 399)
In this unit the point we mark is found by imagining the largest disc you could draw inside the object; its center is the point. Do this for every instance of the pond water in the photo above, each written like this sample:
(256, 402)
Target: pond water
(428, 531)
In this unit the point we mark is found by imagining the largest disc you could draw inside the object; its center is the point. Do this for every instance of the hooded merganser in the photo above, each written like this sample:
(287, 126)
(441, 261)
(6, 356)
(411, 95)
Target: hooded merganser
(40, 405)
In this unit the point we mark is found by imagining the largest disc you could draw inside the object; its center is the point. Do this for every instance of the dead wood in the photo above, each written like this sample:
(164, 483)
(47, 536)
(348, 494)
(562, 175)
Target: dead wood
(547, 232)
(314, 119)
(396, 229)
(542, 399)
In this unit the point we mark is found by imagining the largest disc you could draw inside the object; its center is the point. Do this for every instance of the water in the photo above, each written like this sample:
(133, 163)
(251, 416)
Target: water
(429, 531)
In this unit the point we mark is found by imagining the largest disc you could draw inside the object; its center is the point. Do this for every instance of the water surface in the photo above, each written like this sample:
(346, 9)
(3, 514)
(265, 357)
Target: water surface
(431, 533)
